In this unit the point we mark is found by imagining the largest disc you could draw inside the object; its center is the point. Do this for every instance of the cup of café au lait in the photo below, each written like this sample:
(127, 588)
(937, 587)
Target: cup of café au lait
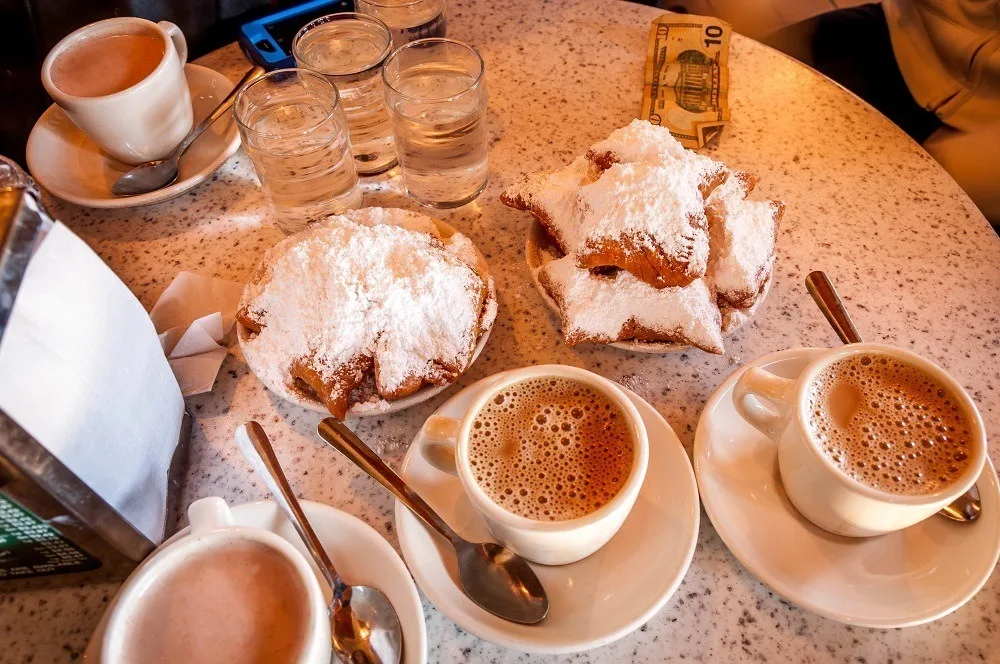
(121, 81)
(221, 593)
(871, 438)
(552, 457)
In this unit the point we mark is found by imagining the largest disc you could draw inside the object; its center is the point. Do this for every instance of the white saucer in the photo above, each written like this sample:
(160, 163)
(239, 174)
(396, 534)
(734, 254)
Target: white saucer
(361, 555)
(592, 602)
(905, 578)
(69, 165)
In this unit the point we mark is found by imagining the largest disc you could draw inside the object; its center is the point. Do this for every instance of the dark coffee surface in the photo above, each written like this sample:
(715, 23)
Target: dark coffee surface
(551, 449)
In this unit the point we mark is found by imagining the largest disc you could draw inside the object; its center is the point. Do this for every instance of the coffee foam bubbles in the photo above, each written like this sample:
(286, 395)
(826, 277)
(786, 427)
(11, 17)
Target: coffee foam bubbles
(551, 449)
(889, 425)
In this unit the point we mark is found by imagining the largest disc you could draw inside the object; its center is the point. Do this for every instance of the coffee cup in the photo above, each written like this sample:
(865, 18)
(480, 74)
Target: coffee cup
(222, 592)
(871, 438)
(571, 505)
(121, 81)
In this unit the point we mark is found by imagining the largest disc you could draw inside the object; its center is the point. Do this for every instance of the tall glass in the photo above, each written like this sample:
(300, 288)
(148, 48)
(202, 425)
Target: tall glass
(407, 19)
(436, 91)
(349, 50)
(295, 132)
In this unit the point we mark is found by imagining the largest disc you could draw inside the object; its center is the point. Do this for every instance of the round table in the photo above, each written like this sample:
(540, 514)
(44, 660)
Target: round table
(914, 259)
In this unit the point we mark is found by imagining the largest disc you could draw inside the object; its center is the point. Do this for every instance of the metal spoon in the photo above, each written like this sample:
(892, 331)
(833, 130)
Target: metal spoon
(364, 626)
(494, 577)
(967, 507)
(154, 175)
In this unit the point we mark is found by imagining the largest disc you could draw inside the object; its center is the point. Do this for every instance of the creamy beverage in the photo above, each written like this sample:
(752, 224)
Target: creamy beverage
(104, 65)
(241, 602)
(889, 424)
(551, 449)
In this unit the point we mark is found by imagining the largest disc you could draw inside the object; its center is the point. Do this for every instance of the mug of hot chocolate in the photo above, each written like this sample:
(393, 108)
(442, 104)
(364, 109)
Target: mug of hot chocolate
(871, 438)
(552, 457)
(121, 81)
(221, 593)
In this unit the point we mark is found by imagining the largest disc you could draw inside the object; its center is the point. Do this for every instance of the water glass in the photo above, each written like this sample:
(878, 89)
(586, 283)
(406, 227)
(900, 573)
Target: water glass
(349, 49)
(407, 19)
(295, 131)
(436, 91)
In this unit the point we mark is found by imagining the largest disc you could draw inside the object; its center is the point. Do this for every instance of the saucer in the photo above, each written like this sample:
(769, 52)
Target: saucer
(900, 579)
(360, 554)
(69, 165)
(592, 602)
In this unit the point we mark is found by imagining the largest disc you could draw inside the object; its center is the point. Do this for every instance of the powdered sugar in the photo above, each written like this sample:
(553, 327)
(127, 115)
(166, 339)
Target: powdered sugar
(361, 286)
(599, 307)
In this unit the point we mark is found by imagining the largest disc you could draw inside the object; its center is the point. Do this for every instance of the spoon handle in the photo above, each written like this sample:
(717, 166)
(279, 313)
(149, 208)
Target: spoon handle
(336, 433)
(829, 302)
(254, 444)
(219, 111)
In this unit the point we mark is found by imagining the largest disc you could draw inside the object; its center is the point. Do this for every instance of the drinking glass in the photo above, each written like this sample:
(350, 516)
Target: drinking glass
(295, 131)
(407, 19)
(349, 49)
(436, 91)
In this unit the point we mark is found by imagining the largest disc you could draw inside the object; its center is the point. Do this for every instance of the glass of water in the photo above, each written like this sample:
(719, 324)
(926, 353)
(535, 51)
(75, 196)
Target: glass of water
(349, 50)
(407, 19)
(295, 131)
(436, 91)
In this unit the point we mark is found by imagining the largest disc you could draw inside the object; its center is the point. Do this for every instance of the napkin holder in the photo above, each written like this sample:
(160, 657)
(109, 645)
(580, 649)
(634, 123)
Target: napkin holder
(54, 528)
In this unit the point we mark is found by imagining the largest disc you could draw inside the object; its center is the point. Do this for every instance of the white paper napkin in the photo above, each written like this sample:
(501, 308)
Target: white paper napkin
(81, 370)
(192, 316)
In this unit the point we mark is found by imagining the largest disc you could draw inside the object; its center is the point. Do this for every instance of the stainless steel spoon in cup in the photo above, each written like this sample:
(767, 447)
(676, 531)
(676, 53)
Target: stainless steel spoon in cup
(967, 507)
(364, 627)
(154, 175)
(493, 576)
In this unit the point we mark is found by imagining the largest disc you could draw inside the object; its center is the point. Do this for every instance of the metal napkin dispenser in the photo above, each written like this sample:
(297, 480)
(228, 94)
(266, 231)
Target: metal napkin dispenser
(93, 431)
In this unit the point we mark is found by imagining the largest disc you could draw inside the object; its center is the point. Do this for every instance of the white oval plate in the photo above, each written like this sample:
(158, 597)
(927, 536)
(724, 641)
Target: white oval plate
(382, 406)
(361, 555)
(69, 165)
(896, 580)
(592, 602)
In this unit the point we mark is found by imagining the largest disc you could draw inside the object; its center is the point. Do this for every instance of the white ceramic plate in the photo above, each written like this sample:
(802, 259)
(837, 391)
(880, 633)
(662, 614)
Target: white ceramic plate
(381, 406)
(539, 250)
(904, 578)
(592, 602)
(361, 555)
(69, 165)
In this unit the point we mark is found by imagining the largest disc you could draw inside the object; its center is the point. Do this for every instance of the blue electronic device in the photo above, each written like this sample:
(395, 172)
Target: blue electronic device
(268, 40)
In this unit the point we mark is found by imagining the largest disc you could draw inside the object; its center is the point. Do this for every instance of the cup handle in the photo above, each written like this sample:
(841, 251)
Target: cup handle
(177, 37)
(760, 384)
(438, 443)
(208, 514)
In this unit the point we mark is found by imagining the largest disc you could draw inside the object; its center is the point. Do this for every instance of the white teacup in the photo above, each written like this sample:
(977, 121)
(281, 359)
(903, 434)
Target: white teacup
(545, 542)
(143, 122)
(815, 485)
(212, 528)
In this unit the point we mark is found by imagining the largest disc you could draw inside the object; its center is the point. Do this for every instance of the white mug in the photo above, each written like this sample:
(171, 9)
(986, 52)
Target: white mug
(212, 526)
(815, 485)
(144, 122)
(545, 542)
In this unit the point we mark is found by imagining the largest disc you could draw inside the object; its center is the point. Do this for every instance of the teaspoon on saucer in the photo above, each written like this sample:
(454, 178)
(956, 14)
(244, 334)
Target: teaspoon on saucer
(154, 175)
(493, 576)
(967, 507)
(364, 626)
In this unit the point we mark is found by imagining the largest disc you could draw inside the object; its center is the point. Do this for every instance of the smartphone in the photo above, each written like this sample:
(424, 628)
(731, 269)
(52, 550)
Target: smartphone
(267, 41)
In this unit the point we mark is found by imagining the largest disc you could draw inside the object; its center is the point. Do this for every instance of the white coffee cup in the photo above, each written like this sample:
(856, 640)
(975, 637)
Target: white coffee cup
(815, 485)
(545, 542)
(212, 526)
(138, 124)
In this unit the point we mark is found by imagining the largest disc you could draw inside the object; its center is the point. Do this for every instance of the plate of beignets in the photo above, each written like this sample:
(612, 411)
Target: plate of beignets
(648, 246)
(367, 312)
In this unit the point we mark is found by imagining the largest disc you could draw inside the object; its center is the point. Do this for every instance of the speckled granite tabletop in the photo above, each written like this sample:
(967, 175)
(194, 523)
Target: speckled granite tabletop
(917, 263)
